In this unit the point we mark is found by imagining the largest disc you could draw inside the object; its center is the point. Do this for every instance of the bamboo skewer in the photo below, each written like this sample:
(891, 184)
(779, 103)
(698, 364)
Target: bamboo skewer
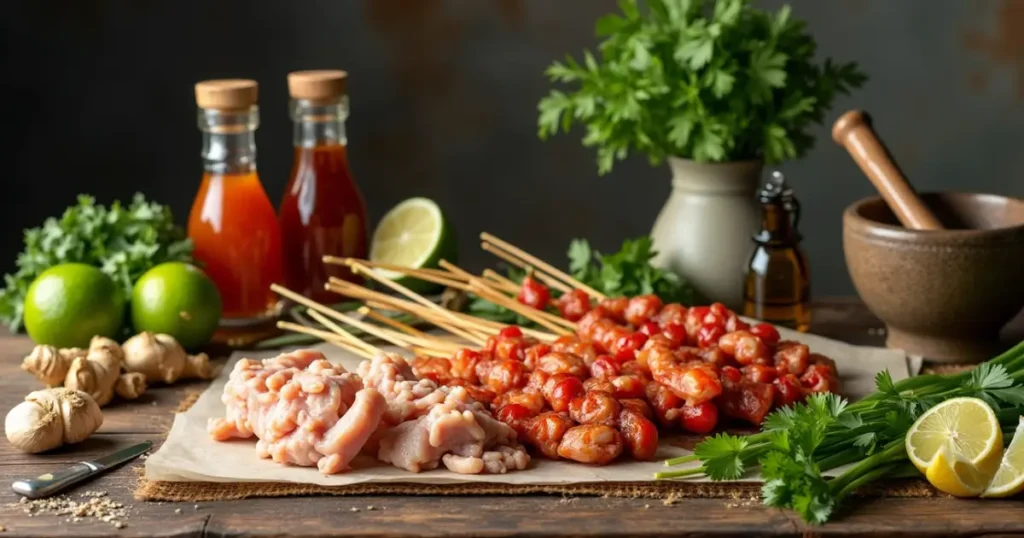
(336, 260)
(548, 281)
(500, 282)
(342, 332)
(427, 314)
(393, 323)
(443, 278)
(482, 325)
(540, 264)
(511, 304)
(375, 299)
(456, 270)
(398, 339)
(536, 312)
(498, 298)
(468, 335)
(326, 336)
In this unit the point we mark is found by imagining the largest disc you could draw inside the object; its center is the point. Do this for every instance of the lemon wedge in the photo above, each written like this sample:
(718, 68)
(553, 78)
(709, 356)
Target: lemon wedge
(954, 476)
(1009, 479)
(964, 433)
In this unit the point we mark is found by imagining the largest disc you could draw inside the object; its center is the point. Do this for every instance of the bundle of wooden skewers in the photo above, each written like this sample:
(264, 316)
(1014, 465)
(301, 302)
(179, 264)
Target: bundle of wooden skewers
(458, 326)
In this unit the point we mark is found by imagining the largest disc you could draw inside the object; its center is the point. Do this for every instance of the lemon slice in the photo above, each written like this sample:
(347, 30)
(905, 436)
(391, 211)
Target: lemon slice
(952, 475)
(966, 428)
(413, 234)
(1009, 479)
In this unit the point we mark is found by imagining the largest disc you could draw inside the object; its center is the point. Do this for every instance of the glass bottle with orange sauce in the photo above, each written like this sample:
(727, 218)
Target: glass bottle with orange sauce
(322, 212)
(232, 223)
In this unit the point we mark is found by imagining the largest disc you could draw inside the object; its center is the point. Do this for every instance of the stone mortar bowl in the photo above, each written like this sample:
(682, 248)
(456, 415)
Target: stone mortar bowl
(942, 294)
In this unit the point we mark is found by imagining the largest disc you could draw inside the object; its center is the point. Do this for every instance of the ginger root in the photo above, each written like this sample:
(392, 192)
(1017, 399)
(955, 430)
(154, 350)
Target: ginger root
(50, 418)
(130, 386)
(49, 364)
(95, 374)
(96, 371)
(159, 357)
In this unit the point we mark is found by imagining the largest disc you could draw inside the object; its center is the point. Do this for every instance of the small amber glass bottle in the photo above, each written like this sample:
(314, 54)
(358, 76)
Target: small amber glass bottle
(778, 284)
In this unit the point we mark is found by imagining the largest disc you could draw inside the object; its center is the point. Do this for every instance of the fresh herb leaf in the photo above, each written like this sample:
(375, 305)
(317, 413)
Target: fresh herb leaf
(123, 241)
(722, 456)
(1010, 395)
(778, 420)
(988, 377)
(627, 272)
(579, 255)
(865, 440)
(850, 420)
(885, 384)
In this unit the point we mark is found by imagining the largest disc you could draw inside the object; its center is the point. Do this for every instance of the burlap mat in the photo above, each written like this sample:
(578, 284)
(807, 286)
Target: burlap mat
(154, 490)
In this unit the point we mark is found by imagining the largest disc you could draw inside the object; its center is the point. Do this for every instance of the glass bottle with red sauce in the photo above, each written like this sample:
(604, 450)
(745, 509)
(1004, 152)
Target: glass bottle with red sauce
(232, 223)
(323, 212)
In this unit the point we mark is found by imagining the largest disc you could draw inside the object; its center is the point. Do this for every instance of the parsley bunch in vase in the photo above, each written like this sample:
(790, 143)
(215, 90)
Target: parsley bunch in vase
(715, 88)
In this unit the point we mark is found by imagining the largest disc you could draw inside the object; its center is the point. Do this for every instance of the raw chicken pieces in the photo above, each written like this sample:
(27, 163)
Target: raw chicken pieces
(306, 411)
(303, 409)
(435, 425)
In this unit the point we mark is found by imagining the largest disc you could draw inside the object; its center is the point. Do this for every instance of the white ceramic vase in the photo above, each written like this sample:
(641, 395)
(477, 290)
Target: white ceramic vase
(704, 232)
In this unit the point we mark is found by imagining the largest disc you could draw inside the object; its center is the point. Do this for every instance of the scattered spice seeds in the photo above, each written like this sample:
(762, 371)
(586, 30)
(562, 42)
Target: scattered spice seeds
(96, 506)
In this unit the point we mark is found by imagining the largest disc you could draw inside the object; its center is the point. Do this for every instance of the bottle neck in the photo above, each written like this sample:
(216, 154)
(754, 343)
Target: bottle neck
(777, 226)
(319, 124)
(229, 140)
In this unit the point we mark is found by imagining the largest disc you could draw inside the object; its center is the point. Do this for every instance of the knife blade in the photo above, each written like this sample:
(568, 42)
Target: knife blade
(52, 483)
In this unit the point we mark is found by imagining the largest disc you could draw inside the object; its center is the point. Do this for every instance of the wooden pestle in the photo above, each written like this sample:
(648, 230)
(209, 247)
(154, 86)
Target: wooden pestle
(853, 131)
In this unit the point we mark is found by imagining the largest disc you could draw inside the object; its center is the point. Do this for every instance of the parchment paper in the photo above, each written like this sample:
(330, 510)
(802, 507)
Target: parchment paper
(189, 455)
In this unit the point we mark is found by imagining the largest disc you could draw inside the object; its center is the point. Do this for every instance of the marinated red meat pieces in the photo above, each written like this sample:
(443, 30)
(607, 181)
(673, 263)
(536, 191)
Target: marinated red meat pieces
(591, 443)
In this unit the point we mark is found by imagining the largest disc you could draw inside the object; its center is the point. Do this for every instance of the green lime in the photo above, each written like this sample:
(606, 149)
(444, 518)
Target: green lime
(416, 234)
(70, 303)
(177, 299)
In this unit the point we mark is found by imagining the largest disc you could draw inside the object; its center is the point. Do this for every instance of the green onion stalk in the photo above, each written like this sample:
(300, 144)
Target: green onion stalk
(840, 445)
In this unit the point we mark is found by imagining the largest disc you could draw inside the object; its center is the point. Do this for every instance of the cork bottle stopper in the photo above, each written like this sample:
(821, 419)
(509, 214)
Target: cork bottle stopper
(317, 86)
(233, 94)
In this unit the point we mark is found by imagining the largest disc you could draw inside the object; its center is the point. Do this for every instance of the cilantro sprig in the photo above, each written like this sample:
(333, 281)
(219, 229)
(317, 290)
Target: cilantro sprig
(800, 444)
(122, 240)
(628, 272)
(706, 80)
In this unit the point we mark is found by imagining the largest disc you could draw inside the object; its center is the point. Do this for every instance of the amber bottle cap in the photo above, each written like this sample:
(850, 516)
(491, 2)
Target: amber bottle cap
(231, 94)
(315, 86)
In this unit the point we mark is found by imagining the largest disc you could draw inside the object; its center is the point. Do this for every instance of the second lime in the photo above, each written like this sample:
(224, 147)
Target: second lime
(177, 299)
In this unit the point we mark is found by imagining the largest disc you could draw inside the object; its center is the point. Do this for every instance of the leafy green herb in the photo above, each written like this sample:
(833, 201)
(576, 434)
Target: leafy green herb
(123, 241)
(792, 476)
(723, 456)
(673, 80)
(628, 272)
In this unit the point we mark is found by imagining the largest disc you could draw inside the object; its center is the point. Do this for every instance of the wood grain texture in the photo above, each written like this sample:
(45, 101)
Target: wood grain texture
(400, 516)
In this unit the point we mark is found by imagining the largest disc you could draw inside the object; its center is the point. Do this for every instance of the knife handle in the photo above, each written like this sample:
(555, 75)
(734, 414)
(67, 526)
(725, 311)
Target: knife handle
(53, 483)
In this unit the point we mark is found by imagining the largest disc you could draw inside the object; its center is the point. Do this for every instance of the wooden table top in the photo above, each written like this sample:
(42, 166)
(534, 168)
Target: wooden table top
(151, 417)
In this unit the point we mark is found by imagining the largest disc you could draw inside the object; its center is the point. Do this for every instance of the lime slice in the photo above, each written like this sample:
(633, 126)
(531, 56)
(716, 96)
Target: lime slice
(416, 234)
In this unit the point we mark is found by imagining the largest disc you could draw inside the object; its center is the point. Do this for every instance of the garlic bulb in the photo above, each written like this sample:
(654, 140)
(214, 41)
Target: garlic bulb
(50, 418)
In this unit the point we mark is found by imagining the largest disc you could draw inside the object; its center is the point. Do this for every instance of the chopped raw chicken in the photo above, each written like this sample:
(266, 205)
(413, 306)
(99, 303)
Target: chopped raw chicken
(303, 409)
(434, 425)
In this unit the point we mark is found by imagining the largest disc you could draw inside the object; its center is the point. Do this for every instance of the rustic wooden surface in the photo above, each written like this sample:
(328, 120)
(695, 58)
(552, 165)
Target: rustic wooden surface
(450, 516)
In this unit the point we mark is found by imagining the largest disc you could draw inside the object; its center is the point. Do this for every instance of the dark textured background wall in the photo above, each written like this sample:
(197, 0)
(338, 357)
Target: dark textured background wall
(98, 98)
